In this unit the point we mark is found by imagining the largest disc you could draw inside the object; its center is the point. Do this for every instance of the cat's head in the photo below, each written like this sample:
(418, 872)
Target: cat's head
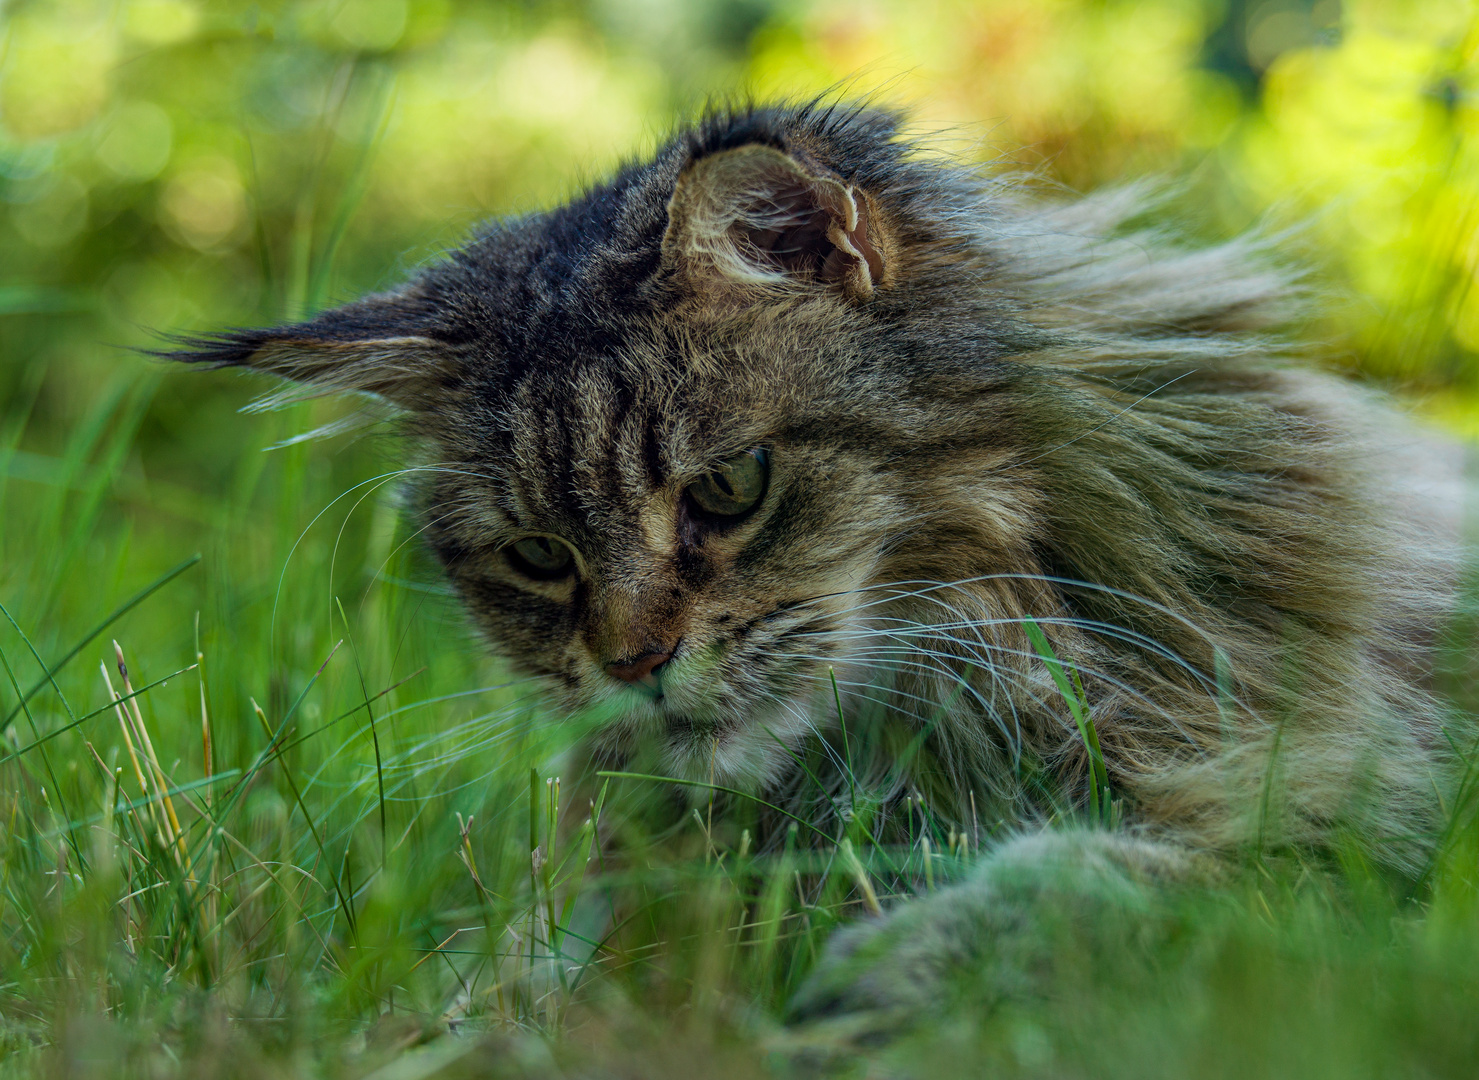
(680, 430)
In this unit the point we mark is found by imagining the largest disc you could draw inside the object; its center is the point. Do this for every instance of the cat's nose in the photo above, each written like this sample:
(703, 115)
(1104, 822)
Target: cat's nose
(639, 669)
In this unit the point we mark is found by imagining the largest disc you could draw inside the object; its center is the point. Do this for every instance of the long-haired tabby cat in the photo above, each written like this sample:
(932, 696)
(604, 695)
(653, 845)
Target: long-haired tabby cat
(793, 401)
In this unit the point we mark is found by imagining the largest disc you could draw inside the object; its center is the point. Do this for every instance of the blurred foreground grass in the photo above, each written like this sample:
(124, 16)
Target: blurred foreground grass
(345, 879)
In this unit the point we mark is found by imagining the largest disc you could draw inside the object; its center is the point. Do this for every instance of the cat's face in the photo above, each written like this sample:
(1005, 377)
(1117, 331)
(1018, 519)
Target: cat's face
(685, 548)
(683, 434)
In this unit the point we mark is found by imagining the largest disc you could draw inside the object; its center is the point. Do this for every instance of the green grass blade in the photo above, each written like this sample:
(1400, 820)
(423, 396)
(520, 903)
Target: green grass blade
(87, 639)
(1078, 707)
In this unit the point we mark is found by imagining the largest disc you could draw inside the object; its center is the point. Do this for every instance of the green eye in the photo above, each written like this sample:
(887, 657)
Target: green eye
(541, 557)
(735, 487)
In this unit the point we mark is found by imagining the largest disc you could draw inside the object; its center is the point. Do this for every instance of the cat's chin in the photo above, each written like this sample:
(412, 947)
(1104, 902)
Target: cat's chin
(747, 754)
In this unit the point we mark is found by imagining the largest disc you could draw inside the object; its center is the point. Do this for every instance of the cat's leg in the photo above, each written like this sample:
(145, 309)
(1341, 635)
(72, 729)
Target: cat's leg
(1036, 902)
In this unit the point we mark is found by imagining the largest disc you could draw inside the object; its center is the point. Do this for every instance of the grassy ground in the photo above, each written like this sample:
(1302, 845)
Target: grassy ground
(305, 828)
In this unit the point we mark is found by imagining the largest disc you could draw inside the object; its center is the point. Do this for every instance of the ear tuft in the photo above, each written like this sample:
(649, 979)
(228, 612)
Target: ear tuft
(757, 217)
(361, 348)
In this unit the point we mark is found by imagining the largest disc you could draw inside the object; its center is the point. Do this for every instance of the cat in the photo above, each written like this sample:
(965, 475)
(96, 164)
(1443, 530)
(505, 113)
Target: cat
(793, 401)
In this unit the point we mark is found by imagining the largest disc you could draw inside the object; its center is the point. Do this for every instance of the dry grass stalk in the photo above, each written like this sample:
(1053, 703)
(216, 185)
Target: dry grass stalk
(860, 875)
(167, 805)
(133, 756)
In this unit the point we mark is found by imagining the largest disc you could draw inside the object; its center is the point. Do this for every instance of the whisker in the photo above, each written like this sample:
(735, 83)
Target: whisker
(901, 655)
(1014, 739)
(1094, 626)
(926, 586)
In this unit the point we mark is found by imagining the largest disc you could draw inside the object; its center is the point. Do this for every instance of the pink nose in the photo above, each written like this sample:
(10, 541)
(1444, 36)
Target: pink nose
(638, 667)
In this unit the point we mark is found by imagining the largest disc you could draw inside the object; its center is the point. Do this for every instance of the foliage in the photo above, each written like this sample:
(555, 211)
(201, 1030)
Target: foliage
(359, 864)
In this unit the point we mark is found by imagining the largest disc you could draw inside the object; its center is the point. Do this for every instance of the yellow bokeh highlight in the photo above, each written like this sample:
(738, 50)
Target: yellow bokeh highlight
(161, 22)
(58, 58)
(1020, 78)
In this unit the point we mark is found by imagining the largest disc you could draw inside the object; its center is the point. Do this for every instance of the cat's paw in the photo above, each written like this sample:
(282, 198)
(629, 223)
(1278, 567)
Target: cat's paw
(1037, 903)
(882, 978)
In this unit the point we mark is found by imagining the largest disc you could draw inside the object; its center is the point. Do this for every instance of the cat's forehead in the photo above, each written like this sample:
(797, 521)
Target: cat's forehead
(631, 419)
(566, 285)
(595, 461)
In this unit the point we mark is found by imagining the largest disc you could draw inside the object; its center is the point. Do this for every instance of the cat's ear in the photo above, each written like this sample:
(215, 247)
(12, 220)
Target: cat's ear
(756, 217)
(377, 346)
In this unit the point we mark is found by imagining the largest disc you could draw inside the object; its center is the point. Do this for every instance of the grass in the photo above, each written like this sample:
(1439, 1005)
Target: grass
(299, 825)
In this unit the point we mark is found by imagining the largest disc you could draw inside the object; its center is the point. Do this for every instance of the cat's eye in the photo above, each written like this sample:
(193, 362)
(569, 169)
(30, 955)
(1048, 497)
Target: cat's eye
(540, 557)
(735, 487)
